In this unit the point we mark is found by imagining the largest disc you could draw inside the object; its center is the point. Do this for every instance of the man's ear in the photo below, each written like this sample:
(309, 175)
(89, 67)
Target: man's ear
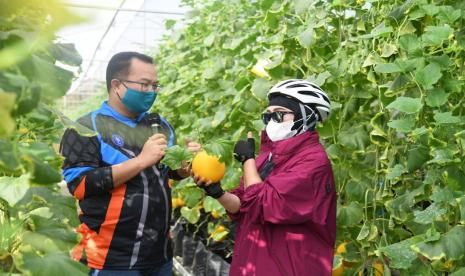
(114, 84)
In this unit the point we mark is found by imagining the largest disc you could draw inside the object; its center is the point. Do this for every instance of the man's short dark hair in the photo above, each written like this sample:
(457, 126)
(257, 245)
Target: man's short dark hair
(118, 66)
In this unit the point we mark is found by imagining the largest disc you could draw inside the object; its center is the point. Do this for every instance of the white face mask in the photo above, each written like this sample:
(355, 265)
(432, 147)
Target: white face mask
(280, 131)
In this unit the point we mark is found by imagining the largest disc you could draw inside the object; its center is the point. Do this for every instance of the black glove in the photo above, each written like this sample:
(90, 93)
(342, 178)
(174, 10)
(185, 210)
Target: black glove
(214, 190)
(244, 150)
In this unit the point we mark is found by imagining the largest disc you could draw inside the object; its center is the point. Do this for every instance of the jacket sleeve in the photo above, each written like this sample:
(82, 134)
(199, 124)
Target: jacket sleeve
(292, 197)
(173, 174)
(83, 170)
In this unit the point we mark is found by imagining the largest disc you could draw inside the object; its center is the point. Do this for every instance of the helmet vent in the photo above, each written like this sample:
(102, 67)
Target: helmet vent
(310, 93)
(297, 85)
(284, 83)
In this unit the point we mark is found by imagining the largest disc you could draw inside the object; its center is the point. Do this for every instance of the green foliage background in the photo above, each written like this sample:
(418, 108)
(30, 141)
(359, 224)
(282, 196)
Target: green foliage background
(395, 73)
(36, 220)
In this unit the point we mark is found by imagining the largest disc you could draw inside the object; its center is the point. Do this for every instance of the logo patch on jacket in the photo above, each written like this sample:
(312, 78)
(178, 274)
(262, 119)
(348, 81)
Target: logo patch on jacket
(117, 140)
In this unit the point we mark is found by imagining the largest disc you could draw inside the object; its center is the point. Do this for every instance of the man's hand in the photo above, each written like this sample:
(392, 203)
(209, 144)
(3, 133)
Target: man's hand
(153, 151)
(193, 147)
(245, 149)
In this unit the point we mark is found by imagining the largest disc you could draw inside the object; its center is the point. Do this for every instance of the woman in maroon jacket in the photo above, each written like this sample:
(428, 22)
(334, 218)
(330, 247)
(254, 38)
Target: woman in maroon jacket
(285, 206)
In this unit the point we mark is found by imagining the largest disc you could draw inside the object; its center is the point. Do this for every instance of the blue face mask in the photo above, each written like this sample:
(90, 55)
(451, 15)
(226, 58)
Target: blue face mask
(137, 101)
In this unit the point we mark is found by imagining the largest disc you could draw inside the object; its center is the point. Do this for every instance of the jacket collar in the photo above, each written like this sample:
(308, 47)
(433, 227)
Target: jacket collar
(290, 145)
(106, 109)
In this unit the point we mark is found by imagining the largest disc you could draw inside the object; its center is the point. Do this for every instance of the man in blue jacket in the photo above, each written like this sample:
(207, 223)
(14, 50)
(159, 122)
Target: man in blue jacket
(116, 175)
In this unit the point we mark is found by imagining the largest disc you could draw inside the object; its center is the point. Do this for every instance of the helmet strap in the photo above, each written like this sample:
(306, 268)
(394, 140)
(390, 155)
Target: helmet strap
(306, 124)
(304, 116)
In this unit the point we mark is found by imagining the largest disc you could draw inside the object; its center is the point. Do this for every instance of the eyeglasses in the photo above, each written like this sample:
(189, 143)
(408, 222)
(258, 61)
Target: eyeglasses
(155, 86)
(277, 116)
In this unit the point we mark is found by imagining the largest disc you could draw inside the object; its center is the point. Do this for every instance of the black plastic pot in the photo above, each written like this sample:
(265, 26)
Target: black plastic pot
(216, 266)
(199, 266)
(178, 235)
(188, 251)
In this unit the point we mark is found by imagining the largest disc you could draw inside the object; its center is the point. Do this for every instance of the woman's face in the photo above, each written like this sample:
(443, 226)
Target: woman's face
(287, 117)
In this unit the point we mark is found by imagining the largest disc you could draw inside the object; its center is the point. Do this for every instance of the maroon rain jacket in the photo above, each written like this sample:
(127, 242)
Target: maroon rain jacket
(286, 224)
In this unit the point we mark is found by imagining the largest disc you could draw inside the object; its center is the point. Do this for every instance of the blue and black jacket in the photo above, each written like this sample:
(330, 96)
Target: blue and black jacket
(125, 227)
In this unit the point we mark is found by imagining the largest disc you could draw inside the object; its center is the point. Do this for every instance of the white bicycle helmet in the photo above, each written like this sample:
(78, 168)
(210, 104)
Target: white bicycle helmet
(305, 92)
